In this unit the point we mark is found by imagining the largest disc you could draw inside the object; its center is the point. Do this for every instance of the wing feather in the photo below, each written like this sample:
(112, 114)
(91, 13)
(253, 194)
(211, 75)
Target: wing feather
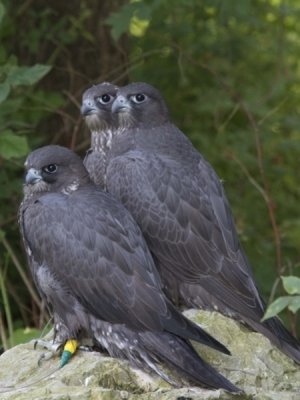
(95, 261)
(187, 222)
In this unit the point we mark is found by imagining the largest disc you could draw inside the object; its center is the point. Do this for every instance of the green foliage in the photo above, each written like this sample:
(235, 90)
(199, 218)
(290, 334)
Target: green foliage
(129, 16)
(19, 102)
(12, 146)
(292, 286)
(24, 75)
(12, 78)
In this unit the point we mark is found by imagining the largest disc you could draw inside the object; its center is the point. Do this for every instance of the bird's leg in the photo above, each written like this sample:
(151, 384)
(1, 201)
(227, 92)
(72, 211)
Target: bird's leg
(69, 348)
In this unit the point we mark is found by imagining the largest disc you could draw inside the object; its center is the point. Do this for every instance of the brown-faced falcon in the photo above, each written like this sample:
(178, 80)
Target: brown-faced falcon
(93, 268)
(179, 203)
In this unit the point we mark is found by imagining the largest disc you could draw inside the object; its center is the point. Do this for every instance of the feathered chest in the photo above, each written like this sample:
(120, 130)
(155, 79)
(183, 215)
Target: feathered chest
(106, 145)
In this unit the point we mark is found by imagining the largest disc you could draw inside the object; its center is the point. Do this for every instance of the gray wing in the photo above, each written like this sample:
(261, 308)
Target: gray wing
(186, 219)
(187, 223)
(99, 259)
(88, 248)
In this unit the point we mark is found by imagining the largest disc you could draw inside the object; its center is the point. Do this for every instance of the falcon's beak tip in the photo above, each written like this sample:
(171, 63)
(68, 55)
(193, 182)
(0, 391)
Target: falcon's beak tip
(88, 107)
(33, 176)
(86, 110)
(121, 104)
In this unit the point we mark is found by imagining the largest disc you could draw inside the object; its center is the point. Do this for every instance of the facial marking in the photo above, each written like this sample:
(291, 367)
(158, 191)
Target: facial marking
(70, 188)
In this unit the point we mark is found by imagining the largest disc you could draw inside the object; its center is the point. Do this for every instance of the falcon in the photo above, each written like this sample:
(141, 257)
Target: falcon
(180, 205)
(96, 109)
(92, 266)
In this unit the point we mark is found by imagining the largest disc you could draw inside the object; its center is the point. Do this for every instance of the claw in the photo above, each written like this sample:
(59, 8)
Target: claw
(44, 356)
(54, 348)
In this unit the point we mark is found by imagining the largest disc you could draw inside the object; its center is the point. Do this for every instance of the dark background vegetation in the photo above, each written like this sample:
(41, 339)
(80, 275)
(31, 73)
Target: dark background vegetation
(230, 73)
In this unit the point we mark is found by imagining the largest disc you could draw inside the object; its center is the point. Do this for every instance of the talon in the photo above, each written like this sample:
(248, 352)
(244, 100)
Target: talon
(45, 356)
(40, 359)
(53, 347)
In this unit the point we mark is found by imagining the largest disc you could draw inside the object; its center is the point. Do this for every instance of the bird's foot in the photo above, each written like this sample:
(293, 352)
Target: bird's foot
(56, 349)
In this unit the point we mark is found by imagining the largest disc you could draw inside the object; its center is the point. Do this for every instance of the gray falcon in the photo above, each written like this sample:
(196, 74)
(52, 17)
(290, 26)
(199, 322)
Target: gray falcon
(180, 205)
(93, 268)
(96, 109)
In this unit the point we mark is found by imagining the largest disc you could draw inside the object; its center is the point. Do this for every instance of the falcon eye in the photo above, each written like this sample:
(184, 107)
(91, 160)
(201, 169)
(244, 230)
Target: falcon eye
(105, 99)
(50, 168)
(139, 98)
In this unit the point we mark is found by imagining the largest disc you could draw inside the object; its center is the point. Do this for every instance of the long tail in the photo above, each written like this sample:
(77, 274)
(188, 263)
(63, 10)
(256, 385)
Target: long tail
(179, 325)
(180, 354)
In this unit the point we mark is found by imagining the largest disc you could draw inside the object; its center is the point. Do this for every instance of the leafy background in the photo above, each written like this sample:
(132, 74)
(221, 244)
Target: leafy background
(230, 73)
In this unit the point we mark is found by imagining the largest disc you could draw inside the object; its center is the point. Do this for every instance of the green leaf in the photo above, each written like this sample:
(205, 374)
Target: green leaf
(4, 91)
(277, 306)
(144, 11)
(12, 145)
(295, 304)
(10, 106)
(27, 75)
(291, 284)
(120, 20)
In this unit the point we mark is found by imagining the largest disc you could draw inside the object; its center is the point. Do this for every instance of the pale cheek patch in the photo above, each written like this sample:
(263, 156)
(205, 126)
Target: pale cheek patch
(71, 188)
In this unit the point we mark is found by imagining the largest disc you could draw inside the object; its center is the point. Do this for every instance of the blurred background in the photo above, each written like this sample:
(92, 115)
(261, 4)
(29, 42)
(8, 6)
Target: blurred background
(230, 73)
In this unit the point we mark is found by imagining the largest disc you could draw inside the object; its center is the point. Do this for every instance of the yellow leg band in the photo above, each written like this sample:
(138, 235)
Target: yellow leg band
(69, 349)
(71, 346)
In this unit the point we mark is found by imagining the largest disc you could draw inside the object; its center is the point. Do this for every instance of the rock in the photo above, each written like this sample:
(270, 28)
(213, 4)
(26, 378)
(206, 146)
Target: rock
(256, 366)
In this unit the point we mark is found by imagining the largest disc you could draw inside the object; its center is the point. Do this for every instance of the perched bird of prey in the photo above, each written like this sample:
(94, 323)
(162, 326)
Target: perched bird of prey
(96, 109)
(92, 266)
(179, 203)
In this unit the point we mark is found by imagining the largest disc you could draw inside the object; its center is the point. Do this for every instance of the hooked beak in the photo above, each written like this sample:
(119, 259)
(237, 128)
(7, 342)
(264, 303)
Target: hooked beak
(33, 176)
(121, 104)
(88, 107)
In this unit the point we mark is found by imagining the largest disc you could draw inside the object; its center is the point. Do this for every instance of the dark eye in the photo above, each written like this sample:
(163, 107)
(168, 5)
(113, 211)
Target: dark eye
(104, 99)
(50, 168)
(139, 98)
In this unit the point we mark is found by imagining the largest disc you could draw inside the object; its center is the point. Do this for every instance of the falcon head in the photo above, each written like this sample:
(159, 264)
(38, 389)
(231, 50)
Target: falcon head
(96, 107)
(140, 105)
(54, 169)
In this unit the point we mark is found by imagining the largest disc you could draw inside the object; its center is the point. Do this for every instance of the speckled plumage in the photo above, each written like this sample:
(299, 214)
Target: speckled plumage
(98, 116)
(92, 266)
(181, 207)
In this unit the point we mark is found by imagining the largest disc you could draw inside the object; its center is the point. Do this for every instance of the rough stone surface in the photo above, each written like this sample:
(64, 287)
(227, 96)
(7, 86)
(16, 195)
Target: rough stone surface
(256, 366)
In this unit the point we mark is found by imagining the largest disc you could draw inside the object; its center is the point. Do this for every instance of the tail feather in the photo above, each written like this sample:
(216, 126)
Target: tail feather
(180, 354)
(186, 329)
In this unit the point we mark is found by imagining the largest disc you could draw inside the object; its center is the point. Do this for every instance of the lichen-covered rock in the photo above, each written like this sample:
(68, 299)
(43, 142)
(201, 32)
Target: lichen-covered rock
(256, 366)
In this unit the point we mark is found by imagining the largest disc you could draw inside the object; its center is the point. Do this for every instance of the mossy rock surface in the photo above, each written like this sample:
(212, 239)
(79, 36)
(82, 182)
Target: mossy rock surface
(256, 366)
